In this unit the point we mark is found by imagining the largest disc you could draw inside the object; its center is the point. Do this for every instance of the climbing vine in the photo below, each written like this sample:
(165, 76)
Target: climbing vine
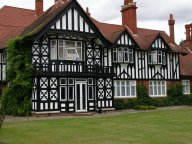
(16, 97)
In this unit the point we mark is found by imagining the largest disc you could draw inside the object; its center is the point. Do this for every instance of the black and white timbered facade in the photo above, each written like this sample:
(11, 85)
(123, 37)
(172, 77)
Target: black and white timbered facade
(78, 68)
(73, 71)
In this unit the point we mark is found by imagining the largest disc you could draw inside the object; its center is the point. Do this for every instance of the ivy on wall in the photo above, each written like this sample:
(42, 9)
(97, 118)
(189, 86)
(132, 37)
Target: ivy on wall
(16, 97)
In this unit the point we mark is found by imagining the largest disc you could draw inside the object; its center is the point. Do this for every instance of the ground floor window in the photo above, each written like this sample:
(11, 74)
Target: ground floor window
(123, 89)
(186, 86)
(157, 88)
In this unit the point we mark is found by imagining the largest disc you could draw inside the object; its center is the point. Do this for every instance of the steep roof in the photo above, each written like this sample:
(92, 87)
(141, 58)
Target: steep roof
(144, 37)
(46, 17)
(13, 20)
(19, 21)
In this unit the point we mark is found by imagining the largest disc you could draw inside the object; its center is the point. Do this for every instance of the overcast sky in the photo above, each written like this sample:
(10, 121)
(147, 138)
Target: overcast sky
(153, 14)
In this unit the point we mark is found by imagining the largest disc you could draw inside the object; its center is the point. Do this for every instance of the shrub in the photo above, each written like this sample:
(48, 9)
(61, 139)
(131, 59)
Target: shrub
(164, 102)
(119, 104)
(131, 103)
(175, 91)
(142, 92)
(144, 107)
(176, 96)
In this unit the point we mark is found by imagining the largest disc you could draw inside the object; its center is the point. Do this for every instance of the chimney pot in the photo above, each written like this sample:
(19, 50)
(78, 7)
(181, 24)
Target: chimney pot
(188, 35)
(61, 0)
(87, 11)
(38, 7)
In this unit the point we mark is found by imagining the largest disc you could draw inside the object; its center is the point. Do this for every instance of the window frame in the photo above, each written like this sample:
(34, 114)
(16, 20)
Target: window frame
(157, 57)
(186, 85)
(53, 50)
(61, 51)
(115, 55)
(63, 85)
(118, 87)
(123, 55)
(158, 86)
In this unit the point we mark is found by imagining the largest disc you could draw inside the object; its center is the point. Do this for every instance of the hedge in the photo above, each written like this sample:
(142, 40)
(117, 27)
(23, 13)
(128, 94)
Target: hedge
(16, 97)
(175, 97)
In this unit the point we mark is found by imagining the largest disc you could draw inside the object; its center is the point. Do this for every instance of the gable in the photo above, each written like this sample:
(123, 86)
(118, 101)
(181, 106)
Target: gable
(72, 20)
(62, 18)
(125, 39)
(159, 43)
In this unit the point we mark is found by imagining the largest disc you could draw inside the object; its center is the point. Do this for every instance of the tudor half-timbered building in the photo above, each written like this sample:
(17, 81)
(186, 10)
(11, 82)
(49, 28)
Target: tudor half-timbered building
(81, 64)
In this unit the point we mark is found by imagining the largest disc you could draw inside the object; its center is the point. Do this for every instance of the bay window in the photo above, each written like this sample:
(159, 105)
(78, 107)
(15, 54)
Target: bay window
(124, 89)
(157, 88)
(186, 86)
(67, 50)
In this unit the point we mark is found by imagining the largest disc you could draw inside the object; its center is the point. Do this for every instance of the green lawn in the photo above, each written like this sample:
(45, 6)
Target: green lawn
(157, 127)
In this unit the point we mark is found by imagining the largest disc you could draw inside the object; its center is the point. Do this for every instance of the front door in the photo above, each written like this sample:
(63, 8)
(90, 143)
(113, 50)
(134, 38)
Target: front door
(81, 97)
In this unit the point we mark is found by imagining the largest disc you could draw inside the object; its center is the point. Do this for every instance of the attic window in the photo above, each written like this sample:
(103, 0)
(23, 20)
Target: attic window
(157, 57)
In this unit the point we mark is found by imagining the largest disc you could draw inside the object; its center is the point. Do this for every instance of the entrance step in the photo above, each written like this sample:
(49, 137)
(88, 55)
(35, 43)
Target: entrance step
(58, 113)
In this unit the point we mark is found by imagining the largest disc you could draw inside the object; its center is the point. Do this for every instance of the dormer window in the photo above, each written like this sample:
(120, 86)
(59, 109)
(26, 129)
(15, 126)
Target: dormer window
(67, 50)
(123, 55)
(157, 57)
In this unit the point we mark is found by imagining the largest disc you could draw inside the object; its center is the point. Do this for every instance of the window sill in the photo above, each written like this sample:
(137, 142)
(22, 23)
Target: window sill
(186, 93)
(124, 97)
(154, 96)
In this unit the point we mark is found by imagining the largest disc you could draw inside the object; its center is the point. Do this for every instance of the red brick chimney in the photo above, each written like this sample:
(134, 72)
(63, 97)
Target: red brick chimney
(129, 15)
(171, 29)
(188, 35)
(38, 7)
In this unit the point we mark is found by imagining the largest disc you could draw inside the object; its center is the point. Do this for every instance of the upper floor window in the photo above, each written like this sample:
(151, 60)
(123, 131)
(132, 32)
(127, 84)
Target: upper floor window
(66, 50)
(123, 55)
(156, 57)
(186, 86)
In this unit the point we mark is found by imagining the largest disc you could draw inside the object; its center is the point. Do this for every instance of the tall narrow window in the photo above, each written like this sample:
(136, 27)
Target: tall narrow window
(154, 57)
(115, 55)
(131, 56)
(120, 55)
(61, 50)
(63, 89)
(159, 57)
(53, 49)
(71, 93)
(150, 57)
(164, 59)
(126, 55)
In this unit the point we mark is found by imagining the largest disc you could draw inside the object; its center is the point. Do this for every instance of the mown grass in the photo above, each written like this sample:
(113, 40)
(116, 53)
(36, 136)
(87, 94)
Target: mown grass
(157, 127)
